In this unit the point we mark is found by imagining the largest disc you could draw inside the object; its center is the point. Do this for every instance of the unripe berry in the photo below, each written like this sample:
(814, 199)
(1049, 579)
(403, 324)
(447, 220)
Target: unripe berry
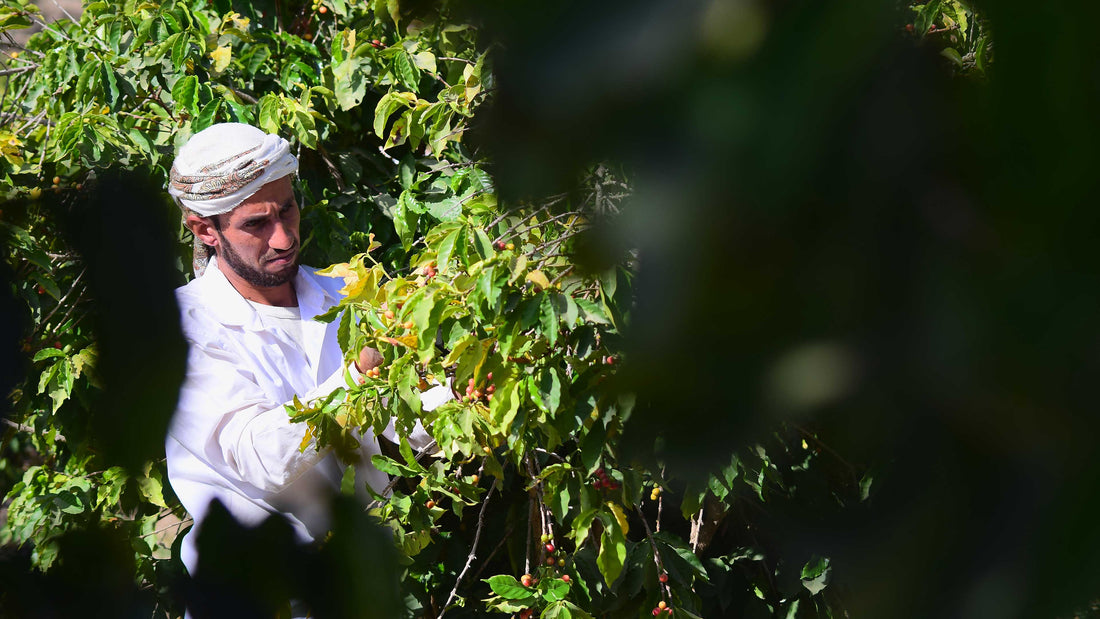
(661, 605)
(510, 246)
(388, 314)
(549, 560)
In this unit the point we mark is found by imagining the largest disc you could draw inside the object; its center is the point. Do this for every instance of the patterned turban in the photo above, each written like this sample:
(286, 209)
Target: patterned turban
(224, 164)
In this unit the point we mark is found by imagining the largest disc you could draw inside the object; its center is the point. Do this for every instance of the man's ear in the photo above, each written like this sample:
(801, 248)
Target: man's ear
(202, 228)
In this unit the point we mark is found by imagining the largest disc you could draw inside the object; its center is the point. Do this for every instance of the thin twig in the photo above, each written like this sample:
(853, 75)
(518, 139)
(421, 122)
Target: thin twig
(500, 544)
(22, 69)
(393, 482)
(177, 525)
(473, 550)
(561, 275)
(456, 59)
(551, 220)
(522, 219)
(67, 14)
(30, 430)
(244, 95)
(64, 298)
(665, 592)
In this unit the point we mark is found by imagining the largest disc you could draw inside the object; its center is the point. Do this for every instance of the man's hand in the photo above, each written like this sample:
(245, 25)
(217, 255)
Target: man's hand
(369, 358)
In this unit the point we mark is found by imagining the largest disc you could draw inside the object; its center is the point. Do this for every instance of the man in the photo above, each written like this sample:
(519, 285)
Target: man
(253, 345)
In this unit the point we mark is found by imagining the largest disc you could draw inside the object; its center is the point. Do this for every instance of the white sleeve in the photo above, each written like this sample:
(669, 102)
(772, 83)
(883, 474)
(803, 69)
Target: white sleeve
(226, 420)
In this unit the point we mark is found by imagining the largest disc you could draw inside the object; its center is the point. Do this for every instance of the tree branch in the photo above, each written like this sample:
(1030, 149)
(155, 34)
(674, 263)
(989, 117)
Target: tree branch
(473, 550)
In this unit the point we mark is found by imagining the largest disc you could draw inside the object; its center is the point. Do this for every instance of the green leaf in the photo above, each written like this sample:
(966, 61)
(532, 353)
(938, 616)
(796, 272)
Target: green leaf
(815, 574)
(612, 554)
(548, 319)
(350, 83)
(681, 551)
(270, 113)
(68, 502)
(927, 16)
(207, 116)
(347, 482)
(48, 353)
(185, 94)
(151, 486)
(109, 84)
(582, 524)
(509, 588)
(556, 590)
(406, 70)
(557, 610)
(387, 105)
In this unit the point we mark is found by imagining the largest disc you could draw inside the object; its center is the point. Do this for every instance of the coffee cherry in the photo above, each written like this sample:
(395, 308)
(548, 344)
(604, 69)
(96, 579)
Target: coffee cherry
(509, 246)
(598, 484)
(663, 578)
(57, 345)
(430, 504)
(409, 325)
(57, 180)
(565, 577)
(376, 43)
(549, 560)
(549, 547)
(662, 605)
(656, 611)
(388, 314)
(525, 580)
(544, 538)
(323, 10)
(489, 376)
(473, 479)
(499, 245)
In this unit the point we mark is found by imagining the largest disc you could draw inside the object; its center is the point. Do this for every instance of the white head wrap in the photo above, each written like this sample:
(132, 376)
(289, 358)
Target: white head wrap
(224, 164)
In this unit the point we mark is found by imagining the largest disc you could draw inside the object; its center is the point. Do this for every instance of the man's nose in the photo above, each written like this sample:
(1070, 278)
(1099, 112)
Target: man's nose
(282, 237)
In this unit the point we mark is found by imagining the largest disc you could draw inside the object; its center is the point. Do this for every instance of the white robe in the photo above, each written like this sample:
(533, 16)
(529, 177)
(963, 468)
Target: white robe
(231, 439)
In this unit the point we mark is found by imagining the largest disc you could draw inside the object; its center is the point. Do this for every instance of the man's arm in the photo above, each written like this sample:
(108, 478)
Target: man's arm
(226, 420)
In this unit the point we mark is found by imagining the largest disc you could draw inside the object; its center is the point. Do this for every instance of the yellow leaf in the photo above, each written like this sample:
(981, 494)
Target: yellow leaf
(620, 516)
(306, 439)
(408, 341)
(221, 57)
(538, 278)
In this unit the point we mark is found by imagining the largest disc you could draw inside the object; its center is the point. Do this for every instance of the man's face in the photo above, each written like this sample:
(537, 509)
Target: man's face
(259, 239)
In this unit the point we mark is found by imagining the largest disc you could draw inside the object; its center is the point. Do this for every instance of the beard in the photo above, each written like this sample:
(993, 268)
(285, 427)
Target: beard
(253, 275)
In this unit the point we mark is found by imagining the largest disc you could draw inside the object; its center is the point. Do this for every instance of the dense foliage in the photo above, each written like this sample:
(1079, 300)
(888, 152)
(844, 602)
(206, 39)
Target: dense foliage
(530, 506)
